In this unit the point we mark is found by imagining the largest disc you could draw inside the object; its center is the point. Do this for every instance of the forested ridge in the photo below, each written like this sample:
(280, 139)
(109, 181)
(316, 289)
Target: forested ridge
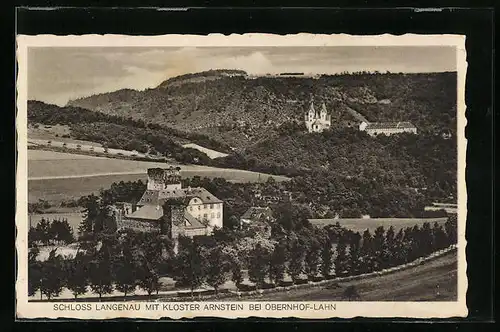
(241, 110)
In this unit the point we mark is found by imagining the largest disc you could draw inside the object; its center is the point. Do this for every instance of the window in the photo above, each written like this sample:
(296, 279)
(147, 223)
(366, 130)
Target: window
(199, 207)
(190, 208)
(212, 215)
(205, 206)
(218, 214)
(211, 206)
(204, 215)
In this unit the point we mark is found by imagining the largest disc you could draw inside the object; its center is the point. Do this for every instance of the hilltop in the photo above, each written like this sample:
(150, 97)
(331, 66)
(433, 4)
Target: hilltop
(240, 110)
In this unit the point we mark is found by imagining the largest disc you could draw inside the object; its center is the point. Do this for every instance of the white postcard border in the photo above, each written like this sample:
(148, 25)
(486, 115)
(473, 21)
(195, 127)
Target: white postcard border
(27, 309)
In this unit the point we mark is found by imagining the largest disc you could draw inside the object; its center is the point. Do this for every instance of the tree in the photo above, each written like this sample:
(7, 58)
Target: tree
(259, 258)
(61, 231)
(33, 237)
(426, 239)
(189, 264)
(52, 280)
(313, 254)
(91, 205)
(217, 267)
(76, 271)
(296, 263)
(451, 229)
(367, 252)
(378, 247)
(125, 271)
(34, 272)
(389, 250)
(148, 279)
(235, 263)
(440, 240)
(99, 217)
(354, 255)
(42, 231)
(100, 272)
(399, 253)
(278, 263)
(341, 264)
(326, 256)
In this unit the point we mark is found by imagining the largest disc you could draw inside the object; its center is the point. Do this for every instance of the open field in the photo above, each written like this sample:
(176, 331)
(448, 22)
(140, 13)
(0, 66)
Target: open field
(435, 280)
(56, 176)
(42, 165)
(360, 225)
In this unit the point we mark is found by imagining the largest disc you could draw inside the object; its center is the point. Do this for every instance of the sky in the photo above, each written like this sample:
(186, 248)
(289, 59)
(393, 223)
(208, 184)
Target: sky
(59, 74)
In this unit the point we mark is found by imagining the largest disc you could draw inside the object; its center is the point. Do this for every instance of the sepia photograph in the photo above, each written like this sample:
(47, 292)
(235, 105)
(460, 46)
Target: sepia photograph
(230, 177)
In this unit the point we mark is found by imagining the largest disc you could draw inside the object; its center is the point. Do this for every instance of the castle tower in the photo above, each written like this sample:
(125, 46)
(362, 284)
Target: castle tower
(164, 178)
(156, 179)
(173, 178)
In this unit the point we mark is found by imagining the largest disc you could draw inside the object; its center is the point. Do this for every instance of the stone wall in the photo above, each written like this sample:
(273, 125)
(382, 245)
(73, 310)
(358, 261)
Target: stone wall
(142, 226)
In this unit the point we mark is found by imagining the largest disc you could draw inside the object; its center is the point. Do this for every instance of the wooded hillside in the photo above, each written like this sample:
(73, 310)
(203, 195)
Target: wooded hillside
(241, 110)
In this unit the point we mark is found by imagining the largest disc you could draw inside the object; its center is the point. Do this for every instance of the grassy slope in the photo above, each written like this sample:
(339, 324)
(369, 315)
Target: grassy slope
(435, 280)
(49, 163)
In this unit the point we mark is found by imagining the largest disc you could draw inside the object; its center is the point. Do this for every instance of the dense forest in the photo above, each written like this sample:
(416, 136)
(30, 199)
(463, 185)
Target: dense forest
(241, 110)
(348, 157)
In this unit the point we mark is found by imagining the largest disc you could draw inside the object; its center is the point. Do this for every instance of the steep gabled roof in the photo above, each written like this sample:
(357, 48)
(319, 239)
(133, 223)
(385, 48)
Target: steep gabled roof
(150, 197)
(147, 212)
(203, 194)
(154, 197)
(153, 213)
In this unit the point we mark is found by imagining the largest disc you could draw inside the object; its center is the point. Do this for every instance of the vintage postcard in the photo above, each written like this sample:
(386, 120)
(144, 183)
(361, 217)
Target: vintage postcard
(256, 175)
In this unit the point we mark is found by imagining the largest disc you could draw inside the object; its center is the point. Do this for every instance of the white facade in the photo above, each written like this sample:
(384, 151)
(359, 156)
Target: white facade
(212, 212)
(317, 121)
(389, 128)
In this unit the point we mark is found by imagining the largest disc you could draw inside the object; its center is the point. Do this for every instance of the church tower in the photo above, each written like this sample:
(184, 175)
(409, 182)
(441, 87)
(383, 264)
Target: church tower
(317, 121)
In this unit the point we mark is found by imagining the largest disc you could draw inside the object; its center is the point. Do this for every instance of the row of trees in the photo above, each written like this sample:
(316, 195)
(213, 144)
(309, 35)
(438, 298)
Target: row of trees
(121, 261)
(125, 260)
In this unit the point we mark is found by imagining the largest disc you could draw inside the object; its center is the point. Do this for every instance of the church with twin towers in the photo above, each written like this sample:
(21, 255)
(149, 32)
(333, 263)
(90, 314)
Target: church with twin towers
(317, 120)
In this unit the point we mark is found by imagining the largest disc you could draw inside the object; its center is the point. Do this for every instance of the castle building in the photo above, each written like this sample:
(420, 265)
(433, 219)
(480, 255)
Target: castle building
(316, 121)
(387, 128)
(173, 210)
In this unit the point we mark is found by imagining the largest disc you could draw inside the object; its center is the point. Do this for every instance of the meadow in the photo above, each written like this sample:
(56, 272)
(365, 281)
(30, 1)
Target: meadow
(56, 176)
